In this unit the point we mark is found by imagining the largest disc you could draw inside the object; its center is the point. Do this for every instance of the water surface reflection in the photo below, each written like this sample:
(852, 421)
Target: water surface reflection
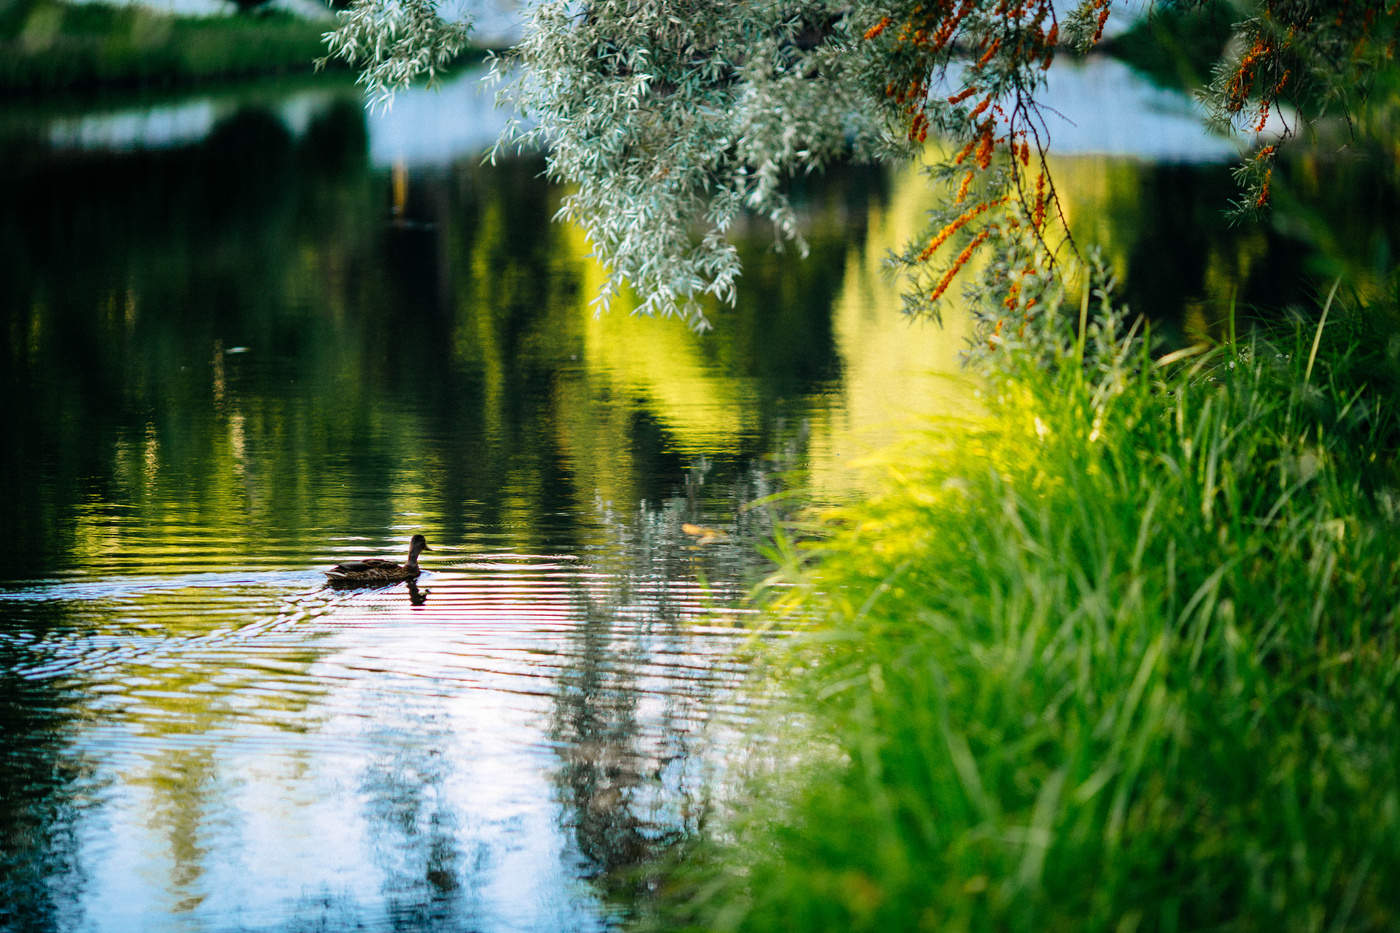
(242, 750)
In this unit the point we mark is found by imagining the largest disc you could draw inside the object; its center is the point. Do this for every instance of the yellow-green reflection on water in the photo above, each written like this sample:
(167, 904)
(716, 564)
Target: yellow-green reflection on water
(899, 374)
(894, 373)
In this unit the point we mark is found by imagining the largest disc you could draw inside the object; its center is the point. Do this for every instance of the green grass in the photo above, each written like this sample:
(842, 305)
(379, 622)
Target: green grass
(1121, 656)
(47, 46)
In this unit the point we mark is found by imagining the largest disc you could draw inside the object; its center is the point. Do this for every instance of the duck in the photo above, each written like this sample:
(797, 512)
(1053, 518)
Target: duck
(374, 570)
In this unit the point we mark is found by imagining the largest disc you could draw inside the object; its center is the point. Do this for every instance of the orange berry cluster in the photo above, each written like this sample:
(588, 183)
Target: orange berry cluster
(878, 28)
(963, 188)
(912, 97)
(1243, 80)
(1103, 7)
(1263, 197)
(957, 224)
(958, 263)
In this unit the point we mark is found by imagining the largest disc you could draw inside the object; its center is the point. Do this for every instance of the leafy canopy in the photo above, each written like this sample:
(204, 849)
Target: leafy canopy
(673, 120)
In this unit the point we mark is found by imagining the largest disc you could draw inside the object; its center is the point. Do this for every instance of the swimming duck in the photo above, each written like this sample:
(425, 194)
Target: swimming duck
(377, 569)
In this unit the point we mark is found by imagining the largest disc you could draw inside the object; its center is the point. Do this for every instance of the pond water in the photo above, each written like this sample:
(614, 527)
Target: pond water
(246, 337)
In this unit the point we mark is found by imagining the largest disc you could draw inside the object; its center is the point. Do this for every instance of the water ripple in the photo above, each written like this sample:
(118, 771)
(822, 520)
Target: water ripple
(511, 716)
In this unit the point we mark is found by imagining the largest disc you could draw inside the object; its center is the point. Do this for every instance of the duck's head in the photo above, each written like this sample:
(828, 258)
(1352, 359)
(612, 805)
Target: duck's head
(417, 545)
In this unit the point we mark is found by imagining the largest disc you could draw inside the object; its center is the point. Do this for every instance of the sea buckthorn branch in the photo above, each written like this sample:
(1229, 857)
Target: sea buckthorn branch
(1027, 122)
(1307, 54)
(1084, 27)
(994, 55)
(1318, 58)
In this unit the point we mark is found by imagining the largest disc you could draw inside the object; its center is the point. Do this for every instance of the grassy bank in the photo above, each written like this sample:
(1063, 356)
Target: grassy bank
(1121, 656)
(47, 46)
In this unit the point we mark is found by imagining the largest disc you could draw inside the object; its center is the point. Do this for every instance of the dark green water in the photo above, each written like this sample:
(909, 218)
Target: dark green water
(239, 352)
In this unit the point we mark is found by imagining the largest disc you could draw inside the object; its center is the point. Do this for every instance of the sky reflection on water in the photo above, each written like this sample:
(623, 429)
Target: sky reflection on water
(353, 759)
(1099, 107)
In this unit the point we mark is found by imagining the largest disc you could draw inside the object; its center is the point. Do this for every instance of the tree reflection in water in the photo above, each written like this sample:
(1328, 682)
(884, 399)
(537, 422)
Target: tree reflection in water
(43, 787)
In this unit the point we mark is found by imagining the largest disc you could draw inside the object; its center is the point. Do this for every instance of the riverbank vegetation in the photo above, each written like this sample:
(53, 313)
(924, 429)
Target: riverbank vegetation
(1119, 656)
(46, 46)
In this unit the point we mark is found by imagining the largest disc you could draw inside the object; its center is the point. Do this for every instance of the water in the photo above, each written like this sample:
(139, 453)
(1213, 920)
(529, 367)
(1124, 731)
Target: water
(254, 751)
(247, 337)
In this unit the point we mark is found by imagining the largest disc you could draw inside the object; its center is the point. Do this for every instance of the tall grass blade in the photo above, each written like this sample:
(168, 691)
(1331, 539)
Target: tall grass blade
(1321, 323)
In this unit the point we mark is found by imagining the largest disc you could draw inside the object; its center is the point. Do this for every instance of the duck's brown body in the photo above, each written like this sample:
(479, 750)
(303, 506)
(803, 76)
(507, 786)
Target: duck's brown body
(378, 570)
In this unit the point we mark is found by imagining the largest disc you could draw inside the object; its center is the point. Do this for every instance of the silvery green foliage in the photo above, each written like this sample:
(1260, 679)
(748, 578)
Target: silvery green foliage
(672, 118)
(393, 43)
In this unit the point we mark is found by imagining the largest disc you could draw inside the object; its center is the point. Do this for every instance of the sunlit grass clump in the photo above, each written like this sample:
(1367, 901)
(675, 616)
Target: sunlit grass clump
(1123, 656)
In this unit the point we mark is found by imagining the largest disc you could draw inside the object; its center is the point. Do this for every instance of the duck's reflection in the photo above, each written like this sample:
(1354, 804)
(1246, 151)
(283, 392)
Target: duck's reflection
(416, 596)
